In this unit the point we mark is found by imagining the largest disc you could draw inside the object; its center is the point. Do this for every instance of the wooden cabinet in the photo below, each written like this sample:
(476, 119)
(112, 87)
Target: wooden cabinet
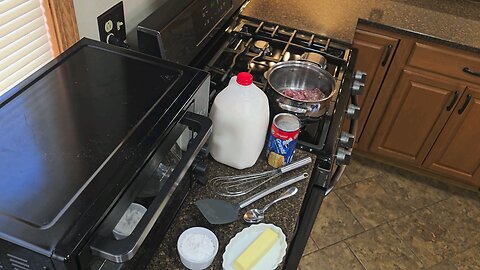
(452, 63)
(417, 112)
(456, 152)
(422, 110)
(375, 52)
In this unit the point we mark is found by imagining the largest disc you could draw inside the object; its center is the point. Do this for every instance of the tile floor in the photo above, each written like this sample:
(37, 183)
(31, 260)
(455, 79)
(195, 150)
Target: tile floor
(380, 217)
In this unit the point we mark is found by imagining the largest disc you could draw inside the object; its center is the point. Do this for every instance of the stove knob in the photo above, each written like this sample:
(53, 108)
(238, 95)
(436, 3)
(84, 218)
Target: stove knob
(353, 112)
(343, 156)
(357, 88)
(346, 139)
(360, 76)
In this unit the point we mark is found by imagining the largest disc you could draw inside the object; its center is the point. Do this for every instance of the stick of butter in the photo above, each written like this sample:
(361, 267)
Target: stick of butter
(253, 253)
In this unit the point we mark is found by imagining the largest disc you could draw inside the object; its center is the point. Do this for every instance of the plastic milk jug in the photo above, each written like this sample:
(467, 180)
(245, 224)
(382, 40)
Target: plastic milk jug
(240, 115)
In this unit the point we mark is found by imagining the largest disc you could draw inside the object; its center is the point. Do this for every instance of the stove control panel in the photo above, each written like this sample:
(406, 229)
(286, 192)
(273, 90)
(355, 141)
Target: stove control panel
(179, 38)
(205, 14)
(212, 11)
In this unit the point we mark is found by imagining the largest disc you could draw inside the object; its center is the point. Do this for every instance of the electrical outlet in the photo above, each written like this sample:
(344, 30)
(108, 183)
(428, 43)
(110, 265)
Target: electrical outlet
(112, 22)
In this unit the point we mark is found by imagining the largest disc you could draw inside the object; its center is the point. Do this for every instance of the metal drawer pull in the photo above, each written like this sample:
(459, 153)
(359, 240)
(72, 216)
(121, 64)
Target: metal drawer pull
(387, 54)
(471, 71)
(454, 100)
(467, 100)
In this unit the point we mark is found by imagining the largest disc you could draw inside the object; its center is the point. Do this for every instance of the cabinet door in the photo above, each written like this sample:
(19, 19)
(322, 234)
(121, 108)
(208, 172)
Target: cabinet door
(457, 150)
(415, 115)
(375, 52)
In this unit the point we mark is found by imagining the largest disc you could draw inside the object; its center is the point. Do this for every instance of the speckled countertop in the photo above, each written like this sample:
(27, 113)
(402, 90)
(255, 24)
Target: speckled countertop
(284, 214)
(452, 23)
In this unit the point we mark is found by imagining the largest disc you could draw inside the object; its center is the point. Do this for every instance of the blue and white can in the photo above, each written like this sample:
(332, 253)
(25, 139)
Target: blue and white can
(283, 139)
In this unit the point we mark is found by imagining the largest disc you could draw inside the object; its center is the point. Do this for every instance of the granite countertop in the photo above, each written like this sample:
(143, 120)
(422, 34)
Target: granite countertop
(284, 214)
(452, 23)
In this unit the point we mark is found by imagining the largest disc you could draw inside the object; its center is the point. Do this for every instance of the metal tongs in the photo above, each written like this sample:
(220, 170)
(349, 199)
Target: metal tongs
(238, 185)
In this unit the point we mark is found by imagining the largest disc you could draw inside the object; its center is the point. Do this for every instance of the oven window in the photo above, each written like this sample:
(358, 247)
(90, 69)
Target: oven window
(162, 172)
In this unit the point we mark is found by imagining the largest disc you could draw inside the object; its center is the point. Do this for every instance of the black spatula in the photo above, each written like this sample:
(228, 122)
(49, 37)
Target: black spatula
(223, 212)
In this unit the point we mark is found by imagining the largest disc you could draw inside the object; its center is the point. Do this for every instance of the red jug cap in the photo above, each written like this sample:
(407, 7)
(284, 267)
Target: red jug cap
(244, 78)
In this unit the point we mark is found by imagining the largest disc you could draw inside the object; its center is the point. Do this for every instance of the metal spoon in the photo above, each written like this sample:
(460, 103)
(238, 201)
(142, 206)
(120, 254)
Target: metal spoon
(257, 215)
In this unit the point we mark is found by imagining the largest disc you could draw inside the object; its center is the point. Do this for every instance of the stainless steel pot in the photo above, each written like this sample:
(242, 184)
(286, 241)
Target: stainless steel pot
(300, 75)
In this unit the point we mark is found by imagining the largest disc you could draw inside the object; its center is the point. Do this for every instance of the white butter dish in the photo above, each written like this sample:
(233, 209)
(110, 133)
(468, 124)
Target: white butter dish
(243, 239)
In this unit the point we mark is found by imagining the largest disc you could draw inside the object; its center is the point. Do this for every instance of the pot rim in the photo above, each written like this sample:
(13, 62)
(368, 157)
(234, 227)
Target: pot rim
(308, 65)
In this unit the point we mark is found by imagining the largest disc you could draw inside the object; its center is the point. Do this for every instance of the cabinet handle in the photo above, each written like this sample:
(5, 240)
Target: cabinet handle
(471, 71)
(387, 54)
(467, 100)
(455, 97)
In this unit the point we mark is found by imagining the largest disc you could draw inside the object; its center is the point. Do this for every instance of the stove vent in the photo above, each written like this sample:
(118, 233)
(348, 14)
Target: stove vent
(18, 263)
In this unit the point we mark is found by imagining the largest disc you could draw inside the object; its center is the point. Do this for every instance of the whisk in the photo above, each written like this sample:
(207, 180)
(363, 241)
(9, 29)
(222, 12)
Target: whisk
(238, 185)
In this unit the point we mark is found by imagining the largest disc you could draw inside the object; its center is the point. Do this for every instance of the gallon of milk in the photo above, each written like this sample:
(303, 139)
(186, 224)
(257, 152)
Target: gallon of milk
(240, 115)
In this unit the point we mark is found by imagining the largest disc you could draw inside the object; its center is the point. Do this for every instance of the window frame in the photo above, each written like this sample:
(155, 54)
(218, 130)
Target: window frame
(62, 24)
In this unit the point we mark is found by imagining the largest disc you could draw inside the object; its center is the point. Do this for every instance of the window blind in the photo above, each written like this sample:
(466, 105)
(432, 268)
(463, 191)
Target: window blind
(24, 41)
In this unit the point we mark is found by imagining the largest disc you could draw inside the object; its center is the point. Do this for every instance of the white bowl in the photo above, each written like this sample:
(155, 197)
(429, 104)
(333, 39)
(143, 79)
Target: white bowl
(188, 259)
(121, 231)
(243, 239)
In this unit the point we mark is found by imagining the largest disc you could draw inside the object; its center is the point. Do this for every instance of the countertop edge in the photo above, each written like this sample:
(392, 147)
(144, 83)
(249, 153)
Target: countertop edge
(442, 25)
(419, 35)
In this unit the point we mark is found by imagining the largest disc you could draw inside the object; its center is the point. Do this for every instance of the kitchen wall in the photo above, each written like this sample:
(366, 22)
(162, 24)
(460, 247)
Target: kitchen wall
(87, 12)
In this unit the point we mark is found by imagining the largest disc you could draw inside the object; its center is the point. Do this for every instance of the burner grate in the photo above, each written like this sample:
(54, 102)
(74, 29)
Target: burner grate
(302, 39)
(242, 52)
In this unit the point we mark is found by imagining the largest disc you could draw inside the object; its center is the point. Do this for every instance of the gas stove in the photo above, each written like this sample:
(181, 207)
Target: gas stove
(253, 45)
(234, 43)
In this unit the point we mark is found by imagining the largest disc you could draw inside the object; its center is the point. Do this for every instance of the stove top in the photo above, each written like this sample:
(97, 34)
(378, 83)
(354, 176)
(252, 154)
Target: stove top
(253, 45)
(256, 45)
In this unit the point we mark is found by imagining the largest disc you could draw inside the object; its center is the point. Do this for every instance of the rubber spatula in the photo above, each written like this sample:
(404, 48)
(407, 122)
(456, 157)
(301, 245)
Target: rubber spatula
(223, 212)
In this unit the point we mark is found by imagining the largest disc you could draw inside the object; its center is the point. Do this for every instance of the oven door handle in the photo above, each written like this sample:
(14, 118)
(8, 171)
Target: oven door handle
(120, 251)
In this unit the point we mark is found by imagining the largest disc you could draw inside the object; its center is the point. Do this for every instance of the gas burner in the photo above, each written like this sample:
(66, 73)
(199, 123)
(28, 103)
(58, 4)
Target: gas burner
(244, 29)
(314, 58)
(261, 47)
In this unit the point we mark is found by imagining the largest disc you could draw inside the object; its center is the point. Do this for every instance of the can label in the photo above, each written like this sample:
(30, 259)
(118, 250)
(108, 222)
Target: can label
(281, 145)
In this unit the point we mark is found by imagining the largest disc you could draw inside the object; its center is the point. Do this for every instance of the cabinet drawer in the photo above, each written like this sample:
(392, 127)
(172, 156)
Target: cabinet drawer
(445, 61)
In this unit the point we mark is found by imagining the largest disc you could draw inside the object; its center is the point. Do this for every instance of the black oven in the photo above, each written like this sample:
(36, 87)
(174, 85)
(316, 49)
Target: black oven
(91, 132)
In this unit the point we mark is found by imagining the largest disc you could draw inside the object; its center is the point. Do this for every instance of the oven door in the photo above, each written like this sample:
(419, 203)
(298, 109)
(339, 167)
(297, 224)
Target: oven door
(161, 186)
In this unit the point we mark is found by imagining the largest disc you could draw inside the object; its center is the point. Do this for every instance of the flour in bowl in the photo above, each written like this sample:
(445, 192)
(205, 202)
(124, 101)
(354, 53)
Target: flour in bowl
(197, 247)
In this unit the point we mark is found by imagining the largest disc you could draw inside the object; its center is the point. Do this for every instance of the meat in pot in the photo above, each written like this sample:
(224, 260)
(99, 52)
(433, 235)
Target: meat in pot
(314, 94)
